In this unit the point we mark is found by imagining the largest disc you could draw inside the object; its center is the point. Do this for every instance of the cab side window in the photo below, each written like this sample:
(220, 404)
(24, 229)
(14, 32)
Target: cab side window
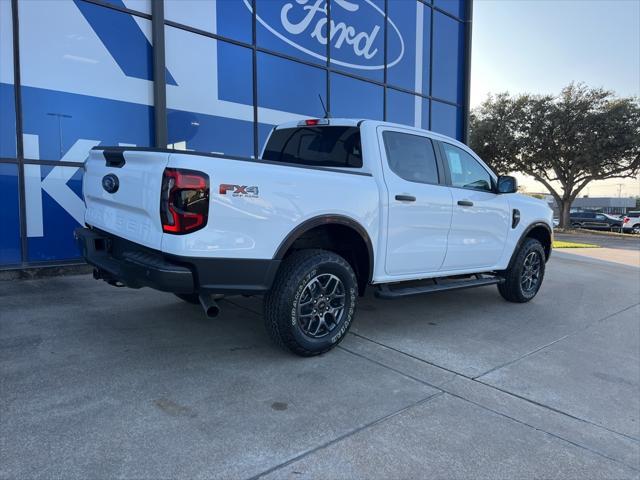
(411, 157)
(465, 170)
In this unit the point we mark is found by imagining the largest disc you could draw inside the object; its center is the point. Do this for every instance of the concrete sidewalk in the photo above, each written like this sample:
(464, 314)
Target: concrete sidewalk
(99, 382)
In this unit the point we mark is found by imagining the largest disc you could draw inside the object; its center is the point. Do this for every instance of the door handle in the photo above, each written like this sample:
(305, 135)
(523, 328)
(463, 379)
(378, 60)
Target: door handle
(406, 198)
(465, 203)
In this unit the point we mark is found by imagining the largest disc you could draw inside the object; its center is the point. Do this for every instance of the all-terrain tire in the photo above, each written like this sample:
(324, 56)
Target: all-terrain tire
(282, 301)
(512, 288)
(188, 297)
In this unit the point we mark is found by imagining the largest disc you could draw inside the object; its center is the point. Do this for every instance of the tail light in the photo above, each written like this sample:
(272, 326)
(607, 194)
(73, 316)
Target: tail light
(625, 220)
(184, 201)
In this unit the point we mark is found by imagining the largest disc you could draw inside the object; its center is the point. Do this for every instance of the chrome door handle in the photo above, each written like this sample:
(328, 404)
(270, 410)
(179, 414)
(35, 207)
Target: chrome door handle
(405, 198)
(465, 203)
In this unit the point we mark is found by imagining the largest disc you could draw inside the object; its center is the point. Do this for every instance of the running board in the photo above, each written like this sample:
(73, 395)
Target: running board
(387, 291)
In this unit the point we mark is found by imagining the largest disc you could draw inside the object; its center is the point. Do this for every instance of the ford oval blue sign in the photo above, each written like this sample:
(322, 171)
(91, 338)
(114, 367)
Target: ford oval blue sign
(355, 35)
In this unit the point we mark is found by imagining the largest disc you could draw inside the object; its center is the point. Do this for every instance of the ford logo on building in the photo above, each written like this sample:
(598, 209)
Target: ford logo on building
(110, 183)
(356, 31)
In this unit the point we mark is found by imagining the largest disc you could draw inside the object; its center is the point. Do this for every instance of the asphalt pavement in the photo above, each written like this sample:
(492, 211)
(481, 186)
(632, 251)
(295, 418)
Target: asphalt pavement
(101, 382)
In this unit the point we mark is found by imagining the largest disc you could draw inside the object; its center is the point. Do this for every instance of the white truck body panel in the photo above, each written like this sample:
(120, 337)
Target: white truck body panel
(431, 237)
(133, 211)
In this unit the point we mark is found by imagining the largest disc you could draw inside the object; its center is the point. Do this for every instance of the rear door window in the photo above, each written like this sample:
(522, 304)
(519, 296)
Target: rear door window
(411, 157)
(323, 146)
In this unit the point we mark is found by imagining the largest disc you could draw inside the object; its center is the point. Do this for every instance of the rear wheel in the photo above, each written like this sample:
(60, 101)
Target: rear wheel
(309, 309)
(524, 276)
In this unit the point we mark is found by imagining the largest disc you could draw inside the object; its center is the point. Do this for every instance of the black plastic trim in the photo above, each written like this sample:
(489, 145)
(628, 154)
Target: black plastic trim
(327, 220)
(524, 236)
(389, 292)
(114, 158)
(136, 266)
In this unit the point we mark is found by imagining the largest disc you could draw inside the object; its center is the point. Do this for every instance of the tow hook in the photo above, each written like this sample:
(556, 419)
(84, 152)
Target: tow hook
(98, 275)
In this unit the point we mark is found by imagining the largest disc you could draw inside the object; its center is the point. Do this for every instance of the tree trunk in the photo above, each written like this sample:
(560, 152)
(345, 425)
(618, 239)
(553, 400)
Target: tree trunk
(565, 207)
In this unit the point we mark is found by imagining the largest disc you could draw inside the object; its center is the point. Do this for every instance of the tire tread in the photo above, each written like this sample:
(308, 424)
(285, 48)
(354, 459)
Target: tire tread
(277, 300)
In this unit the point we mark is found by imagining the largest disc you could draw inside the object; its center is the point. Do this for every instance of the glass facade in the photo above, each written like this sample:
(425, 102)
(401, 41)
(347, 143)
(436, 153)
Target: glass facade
(234, 69)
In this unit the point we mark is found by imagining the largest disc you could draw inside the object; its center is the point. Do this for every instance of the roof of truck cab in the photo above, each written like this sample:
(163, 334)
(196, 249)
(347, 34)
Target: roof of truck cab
(355, 122)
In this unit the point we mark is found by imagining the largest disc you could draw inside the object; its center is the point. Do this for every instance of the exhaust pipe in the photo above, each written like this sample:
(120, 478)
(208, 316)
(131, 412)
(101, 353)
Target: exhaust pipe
(210, 306)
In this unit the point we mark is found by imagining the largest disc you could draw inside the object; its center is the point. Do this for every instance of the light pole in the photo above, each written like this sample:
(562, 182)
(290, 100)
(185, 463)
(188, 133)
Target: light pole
(60, 116)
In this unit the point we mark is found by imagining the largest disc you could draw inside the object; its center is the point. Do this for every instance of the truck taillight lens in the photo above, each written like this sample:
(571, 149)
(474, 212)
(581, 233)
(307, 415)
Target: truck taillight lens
(184, 201)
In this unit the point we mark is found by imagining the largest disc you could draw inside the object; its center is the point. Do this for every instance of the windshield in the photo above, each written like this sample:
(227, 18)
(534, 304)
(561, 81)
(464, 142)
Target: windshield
(326, 146)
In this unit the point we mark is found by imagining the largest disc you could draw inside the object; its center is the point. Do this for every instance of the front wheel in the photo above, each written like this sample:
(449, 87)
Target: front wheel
(636, 229)
(523, 278)
(309, 309)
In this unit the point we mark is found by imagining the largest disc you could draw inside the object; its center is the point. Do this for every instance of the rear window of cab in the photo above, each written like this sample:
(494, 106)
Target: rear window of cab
(324, 146)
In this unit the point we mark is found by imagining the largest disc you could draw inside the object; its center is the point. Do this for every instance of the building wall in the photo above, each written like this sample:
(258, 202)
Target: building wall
(85, 78)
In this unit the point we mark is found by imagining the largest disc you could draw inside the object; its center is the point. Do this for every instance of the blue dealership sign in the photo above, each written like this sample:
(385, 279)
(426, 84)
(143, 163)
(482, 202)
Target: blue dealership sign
(87, 80)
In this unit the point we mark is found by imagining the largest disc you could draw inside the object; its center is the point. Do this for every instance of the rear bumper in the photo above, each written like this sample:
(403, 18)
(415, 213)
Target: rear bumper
(120, 261)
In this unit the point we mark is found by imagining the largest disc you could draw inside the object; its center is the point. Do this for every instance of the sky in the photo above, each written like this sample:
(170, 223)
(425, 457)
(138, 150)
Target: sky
(539, 46)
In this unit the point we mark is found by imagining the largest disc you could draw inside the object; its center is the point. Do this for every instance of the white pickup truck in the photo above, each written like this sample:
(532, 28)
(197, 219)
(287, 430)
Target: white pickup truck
(333, 206)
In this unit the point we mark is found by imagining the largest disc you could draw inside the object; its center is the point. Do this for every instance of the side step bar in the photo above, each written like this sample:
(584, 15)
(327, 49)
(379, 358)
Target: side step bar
(397, 290)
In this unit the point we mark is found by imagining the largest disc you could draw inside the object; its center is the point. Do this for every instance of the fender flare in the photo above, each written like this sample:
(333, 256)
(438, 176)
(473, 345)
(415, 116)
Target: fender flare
(524, 235)
(320, 220)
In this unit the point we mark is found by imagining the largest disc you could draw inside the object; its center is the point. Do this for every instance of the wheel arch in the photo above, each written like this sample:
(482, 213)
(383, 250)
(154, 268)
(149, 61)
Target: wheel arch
(324, 231)
(542, 232)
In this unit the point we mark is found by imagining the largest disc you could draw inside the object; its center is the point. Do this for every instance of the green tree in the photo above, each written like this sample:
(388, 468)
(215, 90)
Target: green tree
(563, 141)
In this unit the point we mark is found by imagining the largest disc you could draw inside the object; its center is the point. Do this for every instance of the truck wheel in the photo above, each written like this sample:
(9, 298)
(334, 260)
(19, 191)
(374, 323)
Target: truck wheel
(312, 302)
(524, 276)
(189, 297)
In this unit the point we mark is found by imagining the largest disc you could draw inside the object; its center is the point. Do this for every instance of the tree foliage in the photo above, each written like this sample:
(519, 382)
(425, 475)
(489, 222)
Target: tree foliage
(563, 141)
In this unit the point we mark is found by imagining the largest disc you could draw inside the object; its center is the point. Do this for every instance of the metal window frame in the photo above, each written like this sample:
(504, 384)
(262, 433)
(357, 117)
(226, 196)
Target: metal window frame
(158, 25)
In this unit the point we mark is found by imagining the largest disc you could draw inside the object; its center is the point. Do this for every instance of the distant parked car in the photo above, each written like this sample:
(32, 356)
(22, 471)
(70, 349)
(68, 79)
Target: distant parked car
(594, 221)
(556, 222)
(631, 222)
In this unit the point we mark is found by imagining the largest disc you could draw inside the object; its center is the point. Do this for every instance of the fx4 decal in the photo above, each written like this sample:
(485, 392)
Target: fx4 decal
(239, 190)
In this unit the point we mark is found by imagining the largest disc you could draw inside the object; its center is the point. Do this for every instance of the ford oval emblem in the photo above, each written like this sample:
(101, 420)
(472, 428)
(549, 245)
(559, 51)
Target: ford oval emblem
(110, 183)
(355, 27)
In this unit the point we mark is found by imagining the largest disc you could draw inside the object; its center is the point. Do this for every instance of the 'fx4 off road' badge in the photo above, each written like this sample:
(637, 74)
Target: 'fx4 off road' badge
(239, 190)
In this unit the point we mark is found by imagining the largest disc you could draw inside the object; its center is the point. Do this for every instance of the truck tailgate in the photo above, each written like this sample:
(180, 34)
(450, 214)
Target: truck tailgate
(122, 193)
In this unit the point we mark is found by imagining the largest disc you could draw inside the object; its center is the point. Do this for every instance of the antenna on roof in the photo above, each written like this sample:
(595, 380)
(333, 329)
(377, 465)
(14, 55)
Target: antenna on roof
(326, 114)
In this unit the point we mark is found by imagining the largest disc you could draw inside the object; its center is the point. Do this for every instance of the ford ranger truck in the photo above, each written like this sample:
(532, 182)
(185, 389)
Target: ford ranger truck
(332, 207)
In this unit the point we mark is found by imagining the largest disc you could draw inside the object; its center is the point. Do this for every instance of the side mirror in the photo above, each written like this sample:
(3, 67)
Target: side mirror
(507, 184)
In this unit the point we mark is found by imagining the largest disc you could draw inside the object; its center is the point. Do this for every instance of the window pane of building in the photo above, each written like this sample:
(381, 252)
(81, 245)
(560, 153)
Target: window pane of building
(50, 218)
(208, 111)
(143, 6)
(357, 37)
(294, 28)
(229, 18)
(9, 215)
(288, 87)
(401, 107)
(446, 119)
(409, 45)
(7, 99)
(448, 58)
(355, 98)
(454, 7)
(86, 78)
